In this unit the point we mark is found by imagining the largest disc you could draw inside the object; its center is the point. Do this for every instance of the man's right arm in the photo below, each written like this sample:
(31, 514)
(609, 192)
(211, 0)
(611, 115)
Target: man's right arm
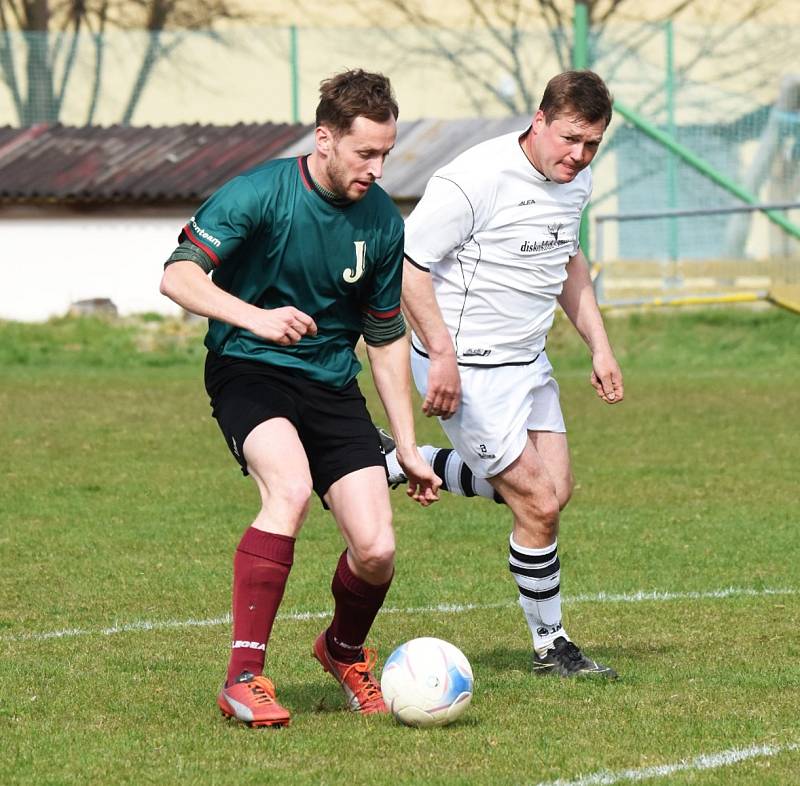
(442, 220)
(423, 313)
(186, 283)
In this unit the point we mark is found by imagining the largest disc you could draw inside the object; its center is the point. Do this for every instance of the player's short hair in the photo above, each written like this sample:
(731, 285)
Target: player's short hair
(580, 94)
(351, 94)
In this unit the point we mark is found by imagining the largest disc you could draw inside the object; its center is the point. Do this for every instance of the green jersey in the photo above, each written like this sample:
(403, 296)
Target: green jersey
(276, 241)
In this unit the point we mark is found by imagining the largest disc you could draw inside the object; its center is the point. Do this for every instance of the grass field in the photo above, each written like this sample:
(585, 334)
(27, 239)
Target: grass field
(120, 509)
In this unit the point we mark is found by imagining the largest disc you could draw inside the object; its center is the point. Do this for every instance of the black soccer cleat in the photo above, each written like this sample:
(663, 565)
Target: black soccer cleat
(387, 441)
(396, 475)
(564, 659)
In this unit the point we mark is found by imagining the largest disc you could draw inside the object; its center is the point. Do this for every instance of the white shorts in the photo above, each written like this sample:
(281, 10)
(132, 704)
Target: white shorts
(499, 406)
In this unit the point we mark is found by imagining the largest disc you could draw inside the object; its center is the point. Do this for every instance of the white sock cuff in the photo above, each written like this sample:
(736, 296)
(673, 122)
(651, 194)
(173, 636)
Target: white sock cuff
(529, 552)
(428, 452)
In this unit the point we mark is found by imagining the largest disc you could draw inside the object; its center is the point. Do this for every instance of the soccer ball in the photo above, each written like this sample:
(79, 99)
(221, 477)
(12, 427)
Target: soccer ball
(427, 682)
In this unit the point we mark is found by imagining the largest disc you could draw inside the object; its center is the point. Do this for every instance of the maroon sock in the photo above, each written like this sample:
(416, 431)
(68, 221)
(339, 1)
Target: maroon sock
(260, 569)
(357, 605)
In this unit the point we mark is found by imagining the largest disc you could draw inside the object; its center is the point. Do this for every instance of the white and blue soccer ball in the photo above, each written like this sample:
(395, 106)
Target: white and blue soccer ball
(427, 682)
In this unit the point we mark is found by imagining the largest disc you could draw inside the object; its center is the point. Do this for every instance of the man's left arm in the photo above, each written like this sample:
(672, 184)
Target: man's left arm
(580, 305)
(392, 374)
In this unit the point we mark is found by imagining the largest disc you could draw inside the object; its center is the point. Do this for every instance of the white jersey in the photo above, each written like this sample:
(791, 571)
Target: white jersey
(496, 236)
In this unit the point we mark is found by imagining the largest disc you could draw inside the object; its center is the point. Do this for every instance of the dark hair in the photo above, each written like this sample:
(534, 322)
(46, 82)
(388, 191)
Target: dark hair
(351, 94)
(580, 93)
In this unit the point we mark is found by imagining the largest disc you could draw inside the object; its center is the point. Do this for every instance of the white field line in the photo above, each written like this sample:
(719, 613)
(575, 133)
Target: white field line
(442, 608)
(706, 761)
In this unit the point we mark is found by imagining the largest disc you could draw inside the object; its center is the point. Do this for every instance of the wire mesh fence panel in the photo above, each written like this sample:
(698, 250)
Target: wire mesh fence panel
(714, 91)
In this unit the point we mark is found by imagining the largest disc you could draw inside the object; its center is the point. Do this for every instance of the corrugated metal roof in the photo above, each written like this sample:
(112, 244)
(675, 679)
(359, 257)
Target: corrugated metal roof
(425, 145)
(128, 164)
(186, 163)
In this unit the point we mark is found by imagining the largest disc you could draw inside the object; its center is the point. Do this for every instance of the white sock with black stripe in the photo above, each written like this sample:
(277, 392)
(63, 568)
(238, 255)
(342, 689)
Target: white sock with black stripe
(538, 576)
(457, 477)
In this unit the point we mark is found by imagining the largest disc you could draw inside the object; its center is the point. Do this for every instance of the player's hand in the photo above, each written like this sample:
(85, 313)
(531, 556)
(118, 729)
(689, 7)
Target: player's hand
(423, 482)
(284, 326)
(606, 378)
(444, 388)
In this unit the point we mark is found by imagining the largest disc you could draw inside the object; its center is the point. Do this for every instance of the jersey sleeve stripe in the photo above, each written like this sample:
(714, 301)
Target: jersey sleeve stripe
(187, 232)
(417, 265)
(383, 314)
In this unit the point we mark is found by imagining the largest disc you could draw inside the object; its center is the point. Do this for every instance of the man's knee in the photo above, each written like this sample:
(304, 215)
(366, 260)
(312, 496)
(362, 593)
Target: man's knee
(546, 508)
(374, 557)
(564, 492)
(294, 496)
(537, 513)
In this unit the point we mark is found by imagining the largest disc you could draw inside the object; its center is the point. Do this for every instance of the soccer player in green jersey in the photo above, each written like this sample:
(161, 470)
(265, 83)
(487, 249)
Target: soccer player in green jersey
(306, 257)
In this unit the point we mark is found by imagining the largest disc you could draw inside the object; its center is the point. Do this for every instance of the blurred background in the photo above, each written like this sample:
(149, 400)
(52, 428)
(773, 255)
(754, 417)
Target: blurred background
(118, 117)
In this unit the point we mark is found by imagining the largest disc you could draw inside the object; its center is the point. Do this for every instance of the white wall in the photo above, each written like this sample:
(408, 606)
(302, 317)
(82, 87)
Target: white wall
(52, 257)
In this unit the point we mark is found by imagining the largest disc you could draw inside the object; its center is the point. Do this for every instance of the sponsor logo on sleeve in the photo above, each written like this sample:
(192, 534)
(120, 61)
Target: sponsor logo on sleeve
(207, 236)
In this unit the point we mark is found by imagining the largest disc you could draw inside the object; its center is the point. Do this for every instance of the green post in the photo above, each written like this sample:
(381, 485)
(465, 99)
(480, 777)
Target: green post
(702, 166)
(580, 45)
(672, 162)
(580, 59)
(295, 75)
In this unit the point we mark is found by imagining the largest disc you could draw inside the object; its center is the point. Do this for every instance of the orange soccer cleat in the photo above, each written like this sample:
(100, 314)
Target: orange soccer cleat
(251, 700)
(363, 691)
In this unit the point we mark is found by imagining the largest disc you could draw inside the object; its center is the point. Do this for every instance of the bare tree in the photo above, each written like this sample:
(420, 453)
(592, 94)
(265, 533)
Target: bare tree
(51, 31)
(492, 52)
(496, 55)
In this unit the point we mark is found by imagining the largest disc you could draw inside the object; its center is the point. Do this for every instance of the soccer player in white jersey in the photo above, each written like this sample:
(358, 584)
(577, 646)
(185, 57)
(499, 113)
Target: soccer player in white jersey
(490, 249)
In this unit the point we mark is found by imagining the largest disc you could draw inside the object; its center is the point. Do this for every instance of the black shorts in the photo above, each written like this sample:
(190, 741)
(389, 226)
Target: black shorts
(334, 425)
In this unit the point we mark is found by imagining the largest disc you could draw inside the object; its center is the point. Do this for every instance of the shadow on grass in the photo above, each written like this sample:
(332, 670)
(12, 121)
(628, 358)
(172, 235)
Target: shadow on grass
(313, 697)
(502, 659)
(328, 700)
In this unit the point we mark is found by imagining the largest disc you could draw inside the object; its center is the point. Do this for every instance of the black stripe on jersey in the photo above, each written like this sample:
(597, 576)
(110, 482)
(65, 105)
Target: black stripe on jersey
(416, 264)
(536, 573)
(470, 236)
(484, 365)
(543, 595)
(532, 559)
(190, 252)
(377, 332)
(187, 234)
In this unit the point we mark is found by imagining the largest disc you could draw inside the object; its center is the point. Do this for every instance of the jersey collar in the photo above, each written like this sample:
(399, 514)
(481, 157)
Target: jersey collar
(534, 171)
(312, 185)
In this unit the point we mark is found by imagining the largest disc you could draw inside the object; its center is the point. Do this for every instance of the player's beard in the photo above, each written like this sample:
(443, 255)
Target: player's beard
(339, 179)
